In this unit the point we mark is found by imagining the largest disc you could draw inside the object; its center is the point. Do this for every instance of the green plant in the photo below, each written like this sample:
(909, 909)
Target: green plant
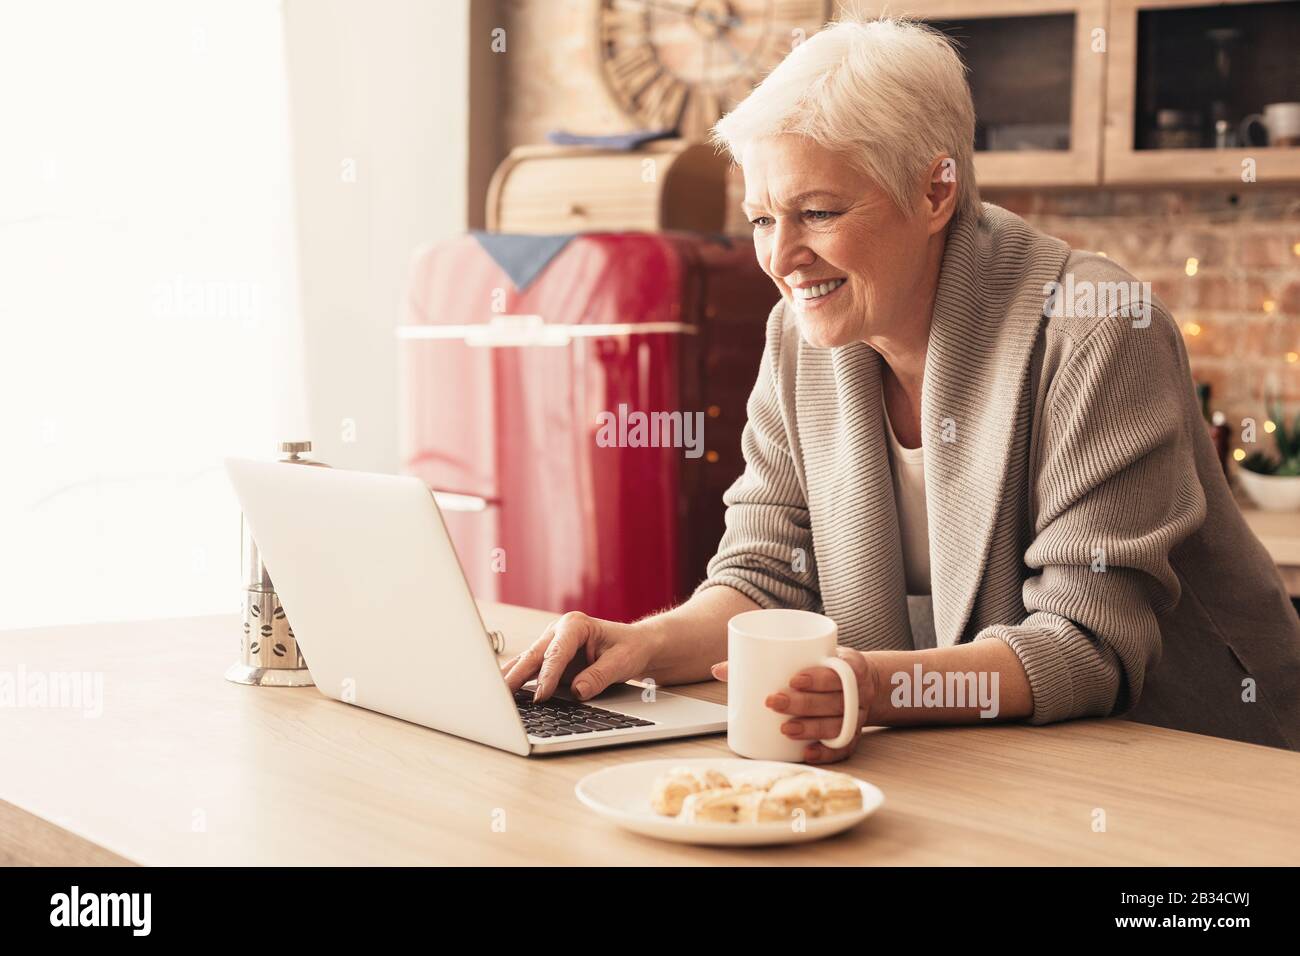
(1287, 462)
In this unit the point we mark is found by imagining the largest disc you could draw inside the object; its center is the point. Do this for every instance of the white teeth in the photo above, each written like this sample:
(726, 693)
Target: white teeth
(817, 291)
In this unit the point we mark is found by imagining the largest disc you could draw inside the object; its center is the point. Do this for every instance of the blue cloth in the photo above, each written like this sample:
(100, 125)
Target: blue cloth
(522, 258)
(623, 142)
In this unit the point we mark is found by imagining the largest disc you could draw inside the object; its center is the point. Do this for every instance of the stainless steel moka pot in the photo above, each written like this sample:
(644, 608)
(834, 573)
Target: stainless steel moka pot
(268, 652)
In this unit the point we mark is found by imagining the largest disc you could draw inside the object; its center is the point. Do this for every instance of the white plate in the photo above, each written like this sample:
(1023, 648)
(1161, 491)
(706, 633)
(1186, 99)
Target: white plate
(621, 794)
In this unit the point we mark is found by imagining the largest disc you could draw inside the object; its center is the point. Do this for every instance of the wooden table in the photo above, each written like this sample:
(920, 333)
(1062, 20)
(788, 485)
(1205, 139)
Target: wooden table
(185, 768)
(1279, 532)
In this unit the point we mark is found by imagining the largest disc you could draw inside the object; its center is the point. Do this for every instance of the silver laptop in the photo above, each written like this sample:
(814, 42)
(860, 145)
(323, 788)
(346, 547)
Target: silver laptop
(368, 575)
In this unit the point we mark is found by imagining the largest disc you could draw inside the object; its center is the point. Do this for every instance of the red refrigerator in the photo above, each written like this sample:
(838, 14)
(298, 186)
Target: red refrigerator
(576, 404)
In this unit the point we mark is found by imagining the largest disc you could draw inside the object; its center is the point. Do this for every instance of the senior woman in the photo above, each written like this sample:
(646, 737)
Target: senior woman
(933, 417)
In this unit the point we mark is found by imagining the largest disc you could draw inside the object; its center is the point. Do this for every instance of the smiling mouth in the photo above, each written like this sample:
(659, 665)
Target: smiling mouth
(813, 293)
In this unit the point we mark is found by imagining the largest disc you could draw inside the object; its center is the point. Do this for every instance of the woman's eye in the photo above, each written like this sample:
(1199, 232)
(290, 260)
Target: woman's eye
(819, 215)
(759, 221)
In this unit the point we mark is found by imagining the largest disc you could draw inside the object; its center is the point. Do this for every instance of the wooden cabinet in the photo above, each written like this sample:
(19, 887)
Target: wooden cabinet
(1262, 65)
(1084, 92)
(1036, 80)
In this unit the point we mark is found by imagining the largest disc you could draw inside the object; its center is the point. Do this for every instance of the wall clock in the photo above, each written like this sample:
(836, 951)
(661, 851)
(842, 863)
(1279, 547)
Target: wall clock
(683, 63)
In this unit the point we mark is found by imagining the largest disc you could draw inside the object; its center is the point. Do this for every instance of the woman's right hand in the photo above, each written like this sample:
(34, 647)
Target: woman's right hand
(585, 652)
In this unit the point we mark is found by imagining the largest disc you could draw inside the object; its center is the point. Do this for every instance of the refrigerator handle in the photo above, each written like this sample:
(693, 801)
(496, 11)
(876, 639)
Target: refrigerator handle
(455, 501)
(530, 330)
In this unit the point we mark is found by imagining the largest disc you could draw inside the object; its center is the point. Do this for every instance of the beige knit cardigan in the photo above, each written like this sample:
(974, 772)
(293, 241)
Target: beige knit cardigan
(1077, 510)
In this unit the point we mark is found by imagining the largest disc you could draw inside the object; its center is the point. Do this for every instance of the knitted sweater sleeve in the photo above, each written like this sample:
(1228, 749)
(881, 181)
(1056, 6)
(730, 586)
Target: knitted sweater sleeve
(1117, 491)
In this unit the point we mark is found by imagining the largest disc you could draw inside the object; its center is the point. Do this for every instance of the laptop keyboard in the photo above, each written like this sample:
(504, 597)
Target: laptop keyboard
(566, 718)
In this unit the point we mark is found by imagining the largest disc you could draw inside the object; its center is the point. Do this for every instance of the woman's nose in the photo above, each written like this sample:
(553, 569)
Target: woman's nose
(788, 251)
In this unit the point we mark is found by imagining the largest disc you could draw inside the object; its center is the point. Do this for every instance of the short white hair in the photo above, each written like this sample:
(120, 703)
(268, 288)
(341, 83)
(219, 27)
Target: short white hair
(891, 93)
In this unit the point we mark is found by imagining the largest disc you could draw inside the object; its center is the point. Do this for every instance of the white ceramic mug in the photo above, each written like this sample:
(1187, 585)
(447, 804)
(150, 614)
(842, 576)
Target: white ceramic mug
(765, 649)
(1281, 122)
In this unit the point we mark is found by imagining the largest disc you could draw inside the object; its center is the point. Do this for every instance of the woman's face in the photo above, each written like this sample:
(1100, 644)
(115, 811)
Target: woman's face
(846, 260)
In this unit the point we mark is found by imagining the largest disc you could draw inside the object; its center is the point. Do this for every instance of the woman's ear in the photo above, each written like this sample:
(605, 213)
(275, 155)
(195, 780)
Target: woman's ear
(940, 193)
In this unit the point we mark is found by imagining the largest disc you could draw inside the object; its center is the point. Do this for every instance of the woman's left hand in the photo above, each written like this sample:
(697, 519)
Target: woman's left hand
(814, 704)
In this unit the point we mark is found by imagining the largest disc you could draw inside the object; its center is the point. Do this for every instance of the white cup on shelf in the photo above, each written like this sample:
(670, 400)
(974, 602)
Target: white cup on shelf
(1281, 123)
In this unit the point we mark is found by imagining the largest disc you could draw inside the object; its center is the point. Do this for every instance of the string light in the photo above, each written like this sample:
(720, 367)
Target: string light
(1286, 212)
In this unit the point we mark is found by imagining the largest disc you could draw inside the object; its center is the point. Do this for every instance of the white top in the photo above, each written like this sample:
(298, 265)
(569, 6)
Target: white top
(908, 466)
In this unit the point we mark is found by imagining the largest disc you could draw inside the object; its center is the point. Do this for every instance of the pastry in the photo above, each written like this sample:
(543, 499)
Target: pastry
(671, 789)
(797, 792)
(817, 794)
(840, 793)
(708, 796)
(729, 805)
(762, 779)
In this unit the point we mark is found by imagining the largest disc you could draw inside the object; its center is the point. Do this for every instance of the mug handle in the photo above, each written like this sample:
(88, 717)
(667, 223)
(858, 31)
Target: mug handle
(1243, 128)
(849, 682)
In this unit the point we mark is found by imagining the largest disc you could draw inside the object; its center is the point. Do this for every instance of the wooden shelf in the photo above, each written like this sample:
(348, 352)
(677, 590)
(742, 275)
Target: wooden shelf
(1161, 167)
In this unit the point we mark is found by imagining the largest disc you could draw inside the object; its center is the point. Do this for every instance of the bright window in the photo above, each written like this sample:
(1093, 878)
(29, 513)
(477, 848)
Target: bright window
(147, 300)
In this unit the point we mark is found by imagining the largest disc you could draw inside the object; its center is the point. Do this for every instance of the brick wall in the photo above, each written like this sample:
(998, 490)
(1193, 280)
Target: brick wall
(1239, 311)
